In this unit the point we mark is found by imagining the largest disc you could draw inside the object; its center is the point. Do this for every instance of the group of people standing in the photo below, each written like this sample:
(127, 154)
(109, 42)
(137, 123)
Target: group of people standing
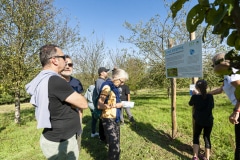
(203, 103)
(59, 103)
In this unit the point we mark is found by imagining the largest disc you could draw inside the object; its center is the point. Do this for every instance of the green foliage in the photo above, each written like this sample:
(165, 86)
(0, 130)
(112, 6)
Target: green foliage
(223, 15)
(6, 99)
(208, 73)
(87, 63)
(152, 39)
(149, 138)
(155, 77)
(25, 27)
(234, 58)
(177, 5)
(135, 67)
(195, 17)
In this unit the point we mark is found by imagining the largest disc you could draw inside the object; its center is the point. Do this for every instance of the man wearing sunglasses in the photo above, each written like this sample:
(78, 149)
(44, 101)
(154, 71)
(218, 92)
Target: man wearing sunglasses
(231, 87)
(66, 74)
(77, 86)
(53, 99)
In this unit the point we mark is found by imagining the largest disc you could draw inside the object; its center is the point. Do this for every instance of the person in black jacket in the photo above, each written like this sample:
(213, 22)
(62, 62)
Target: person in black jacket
(125, 96)
(203, 104)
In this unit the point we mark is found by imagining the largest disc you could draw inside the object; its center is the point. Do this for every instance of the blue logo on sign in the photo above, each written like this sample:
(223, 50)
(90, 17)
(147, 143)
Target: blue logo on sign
(192, 51)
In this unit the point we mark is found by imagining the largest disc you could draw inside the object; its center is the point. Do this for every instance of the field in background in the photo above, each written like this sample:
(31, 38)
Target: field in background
(148, 139)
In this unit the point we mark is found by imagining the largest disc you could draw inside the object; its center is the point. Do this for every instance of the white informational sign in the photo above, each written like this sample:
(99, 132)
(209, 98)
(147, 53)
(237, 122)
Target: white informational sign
(127, 104)
(184, 60)
(191, 89)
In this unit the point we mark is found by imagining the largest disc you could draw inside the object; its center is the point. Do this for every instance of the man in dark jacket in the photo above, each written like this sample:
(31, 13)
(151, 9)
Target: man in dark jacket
(77, 86)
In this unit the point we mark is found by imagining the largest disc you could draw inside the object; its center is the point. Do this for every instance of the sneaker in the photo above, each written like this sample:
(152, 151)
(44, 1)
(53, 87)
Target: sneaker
(131, 119)
(194, 158)
(94, 134)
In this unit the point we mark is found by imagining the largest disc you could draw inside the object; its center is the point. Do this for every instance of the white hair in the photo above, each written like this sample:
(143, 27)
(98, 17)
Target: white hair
(119, 73)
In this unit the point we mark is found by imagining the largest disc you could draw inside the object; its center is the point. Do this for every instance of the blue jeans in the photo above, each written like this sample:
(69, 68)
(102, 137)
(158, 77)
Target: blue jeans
(94, 123)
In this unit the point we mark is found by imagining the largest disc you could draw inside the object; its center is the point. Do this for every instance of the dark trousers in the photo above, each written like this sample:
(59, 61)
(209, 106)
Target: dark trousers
(94, 123)
(112, 131)
(237, 141)
(101, 130)
(206, 134)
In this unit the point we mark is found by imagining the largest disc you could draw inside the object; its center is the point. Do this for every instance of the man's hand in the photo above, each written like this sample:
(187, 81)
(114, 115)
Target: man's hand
(118, 105)
(233, 118)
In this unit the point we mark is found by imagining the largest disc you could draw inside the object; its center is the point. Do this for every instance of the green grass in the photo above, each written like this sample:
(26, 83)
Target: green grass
(149, 139)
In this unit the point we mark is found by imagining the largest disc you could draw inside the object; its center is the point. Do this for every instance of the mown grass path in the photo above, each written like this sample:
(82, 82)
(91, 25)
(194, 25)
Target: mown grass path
(148, 139)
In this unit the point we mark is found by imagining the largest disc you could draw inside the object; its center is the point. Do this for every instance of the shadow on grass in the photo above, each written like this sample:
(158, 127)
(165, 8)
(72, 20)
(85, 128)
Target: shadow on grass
(93, 146)
(162, 139)
(27, 115)
(2, 128)
(98, 150)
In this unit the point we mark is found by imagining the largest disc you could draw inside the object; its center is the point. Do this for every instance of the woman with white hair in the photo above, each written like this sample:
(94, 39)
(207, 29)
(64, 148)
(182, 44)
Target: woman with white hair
(110, 104)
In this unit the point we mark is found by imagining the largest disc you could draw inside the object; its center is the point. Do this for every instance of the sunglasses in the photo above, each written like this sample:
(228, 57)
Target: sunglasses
(218, 62)
(121, 81)
(63, 57)
(69, 64)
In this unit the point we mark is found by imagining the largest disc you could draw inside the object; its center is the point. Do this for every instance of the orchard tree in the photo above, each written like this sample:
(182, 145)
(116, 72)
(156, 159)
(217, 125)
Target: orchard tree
(223, 15)
(133, 65)
(25, 27)
(213, 79)
(152, 40)
(88, 58)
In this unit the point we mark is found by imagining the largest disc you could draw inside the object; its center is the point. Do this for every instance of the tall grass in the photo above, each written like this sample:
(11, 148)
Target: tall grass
(149, 139)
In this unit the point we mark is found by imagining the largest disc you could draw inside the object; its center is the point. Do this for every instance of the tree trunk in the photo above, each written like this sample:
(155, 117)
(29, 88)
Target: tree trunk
(173, 100)
(17, 107)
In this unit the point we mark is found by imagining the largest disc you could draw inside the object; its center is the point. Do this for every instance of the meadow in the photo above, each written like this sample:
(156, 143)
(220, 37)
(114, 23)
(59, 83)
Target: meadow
(148, 139)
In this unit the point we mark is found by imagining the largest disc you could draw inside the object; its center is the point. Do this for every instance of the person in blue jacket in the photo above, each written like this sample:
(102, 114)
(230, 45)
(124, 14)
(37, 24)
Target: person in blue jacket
(77, 86)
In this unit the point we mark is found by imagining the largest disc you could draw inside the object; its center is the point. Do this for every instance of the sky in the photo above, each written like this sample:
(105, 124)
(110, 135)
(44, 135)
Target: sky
(106, 17)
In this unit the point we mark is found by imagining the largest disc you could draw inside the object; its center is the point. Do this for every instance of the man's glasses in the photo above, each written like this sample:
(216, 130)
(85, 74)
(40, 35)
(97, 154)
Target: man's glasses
(63, 57)
(121, 81)
(218, 62)
(69, 64)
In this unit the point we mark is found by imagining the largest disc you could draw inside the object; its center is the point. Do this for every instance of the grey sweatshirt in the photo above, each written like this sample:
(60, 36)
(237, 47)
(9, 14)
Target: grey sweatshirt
(38, 89)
